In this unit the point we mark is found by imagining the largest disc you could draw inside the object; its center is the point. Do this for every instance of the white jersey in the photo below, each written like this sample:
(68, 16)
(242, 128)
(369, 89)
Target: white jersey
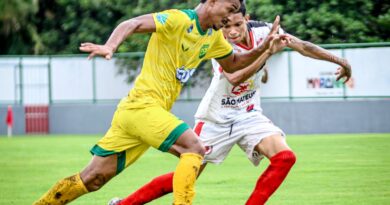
(225, 103)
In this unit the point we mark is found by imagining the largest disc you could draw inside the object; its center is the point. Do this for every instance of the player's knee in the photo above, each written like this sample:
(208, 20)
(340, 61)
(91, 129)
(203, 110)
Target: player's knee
(197, 148)
(190, 146)
(200, 149)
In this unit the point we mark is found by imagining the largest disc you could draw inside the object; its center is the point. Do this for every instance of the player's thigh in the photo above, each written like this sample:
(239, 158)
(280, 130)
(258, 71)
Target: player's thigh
(272, 145)
(120, 142)
(218, 140)
(156, 127)
(260, 132)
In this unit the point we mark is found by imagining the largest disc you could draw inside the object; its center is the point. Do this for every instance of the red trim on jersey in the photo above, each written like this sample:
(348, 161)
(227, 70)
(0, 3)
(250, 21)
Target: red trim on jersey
(198, 128)
(252, 42)
(220, 69)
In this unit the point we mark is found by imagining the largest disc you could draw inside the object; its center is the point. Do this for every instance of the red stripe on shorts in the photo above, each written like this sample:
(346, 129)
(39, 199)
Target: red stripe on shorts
(198, 128)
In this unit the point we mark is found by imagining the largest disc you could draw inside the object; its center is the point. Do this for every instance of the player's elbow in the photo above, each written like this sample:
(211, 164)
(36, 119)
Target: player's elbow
(130, 26)
(234, 80)
(132, 23)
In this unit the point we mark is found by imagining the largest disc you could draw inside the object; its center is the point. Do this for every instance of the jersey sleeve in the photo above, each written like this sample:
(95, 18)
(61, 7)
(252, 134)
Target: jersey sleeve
(220, 48)
(168, 21)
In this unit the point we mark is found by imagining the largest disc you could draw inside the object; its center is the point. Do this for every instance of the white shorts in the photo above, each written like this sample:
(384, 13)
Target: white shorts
(219, 139)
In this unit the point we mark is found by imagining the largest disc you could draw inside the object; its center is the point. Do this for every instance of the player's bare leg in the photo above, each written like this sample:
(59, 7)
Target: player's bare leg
(99, 172)
(191, 152)
(93, 177)
(282, 159)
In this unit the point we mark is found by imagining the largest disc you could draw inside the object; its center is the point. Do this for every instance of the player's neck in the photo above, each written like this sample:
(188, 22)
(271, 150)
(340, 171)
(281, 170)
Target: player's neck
(202, 16)
(246, 40)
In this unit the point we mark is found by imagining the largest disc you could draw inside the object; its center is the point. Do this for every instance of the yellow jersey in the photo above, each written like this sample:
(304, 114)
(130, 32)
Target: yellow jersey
(174, 51)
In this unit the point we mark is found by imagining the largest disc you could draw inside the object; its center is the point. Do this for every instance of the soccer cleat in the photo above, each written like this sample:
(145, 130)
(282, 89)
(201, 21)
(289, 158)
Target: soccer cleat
(114, 201)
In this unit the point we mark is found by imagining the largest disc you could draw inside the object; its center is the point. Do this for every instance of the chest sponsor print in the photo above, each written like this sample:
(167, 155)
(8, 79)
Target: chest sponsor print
(183, 75)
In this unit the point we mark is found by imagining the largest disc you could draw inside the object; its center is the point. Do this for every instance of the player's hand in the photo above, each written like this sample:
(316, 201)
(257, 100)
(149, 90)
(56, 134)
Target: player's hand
(94, 49)
(278, 43)
(272, 34)
(275, 26)
(345, 71)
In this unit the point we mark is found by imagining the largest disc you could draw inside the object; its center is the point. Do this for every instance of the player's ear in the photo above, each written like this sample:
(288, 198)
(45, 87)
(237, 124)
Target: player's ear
(247, 17)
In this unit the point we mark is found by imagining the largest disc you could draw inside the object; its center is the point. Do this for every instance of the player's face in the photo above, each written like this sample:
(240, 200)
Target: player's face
(220, 11)
(236, 28)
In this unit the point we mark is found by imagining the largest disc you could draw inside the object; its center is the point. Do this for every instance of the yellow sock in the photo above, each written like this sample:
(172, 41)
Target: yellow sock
(63, 192)
(185, 177)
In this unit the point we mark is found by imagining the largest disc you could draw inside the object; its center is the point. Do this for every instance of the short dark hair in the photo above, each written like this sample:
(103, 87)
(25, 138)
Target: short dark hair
(242, 9)
(204, 1)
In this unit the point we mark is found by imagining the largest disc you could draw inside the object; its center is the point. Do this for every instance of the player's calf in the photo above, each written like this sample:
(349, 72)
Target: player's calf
(272, 177)
(99, 172)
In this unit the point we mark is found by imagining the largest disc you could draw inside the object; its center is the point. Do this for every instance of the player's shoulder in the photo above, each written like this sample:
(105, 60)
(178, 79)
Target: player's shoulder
(258, 24)
(261, 26)
(177, 15)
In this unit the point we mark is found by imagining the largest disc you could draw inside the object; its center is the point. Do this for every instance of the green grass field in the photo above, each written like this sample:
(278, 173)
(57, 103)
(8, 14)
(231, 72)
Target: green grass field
(331, 169)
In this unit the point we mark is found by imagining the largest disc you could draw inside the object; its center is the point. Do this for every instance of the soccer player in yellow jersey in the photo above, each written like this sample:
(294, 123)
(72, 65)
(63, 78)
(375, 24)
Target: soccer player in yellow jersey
(181, 39)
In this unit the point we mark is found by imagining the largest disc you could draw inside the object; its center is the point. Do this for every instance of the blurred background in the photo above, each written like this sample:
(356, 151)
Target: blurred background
(57, 104)
(51, 88)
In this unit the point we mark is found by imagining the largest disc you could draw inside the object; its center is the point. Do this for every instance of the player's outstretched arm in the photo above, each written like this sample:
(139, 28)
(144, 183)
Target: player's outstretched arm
(141, 24)
(240, 76)
(244, 74)
(313, 51)
(238, 61)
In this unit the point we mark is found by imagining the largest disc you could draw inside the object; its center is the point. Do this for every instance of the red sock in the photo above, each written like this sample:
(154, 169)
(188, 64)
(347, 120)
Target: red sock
(156, 188)
(272, 177)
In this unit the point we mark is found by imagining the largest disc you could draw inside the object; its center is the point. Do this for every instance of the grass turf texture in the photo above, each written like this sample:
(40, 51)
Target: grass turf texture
(331, 169)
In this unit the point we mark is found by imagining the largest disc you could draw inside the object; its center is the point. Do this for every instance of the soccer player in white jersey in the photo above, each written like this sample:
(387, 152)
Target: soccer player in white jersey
(230, 113)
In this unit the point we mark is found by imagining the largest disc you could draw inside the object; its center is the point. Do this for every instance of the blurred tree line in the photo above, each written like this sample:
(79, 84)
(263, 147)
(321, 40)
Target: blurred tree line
(59, 26)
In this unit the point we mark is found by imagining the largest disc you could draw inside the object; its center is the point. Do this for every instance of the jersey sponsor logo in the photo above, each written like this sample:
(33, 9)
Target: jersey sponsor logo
(231, 102)
(184, 75)
(240, 96)
(210, 32)
(203, 50)
(189, 30)
(162, 18)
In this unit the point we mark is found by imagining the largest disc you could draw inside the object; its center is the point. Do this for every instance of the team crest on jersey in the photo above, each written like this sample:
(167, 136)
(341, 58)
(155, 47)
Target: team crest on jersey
(162, 18)
(243, 87)
(203, 50)
(184, 75)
